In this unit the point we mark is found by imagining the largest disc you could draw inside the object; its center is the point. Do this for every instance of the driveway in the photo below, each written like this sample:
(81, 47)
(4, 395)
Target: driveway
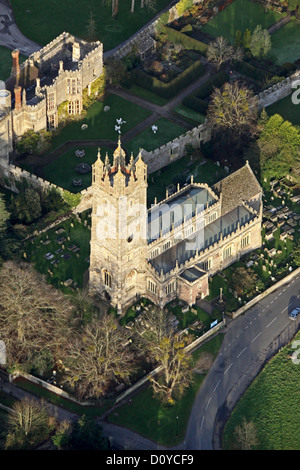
(10, 35)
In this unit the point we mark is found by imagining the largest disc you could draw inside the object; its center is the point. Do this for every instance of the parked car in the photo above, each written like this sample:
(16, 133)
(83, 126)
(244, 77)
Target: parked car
(293, 315)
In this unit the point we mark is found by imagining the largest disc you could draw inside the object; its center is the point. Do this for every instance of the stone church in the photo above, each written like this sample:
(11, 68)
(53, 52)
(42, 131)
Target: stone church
(167, 251)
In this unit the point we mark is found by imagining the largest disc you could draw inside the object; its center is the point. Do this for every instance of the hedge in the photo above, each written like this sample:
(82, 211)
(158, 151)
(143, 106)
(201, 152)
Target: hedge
(215, 82)
(168, 90)
(250, 71)
(195, 103)
(187, 42)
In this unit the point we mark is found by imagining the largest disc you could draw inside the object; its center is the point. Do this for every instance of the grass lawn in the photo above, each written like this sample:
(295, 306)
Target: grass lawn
(6, 62)
(272, 404)
(190, 114)
(62, 171)
(43, 21)
(287, 109)
(148, 95)
(147, 140)
(74, 266)
(240, 15)
(101, 124)
(165, 425)
(286, 43)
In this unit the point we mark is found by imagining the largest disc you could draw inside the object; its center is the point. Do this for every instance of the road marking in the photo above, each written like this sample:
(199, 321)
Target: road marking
(283, 309)
(207, 405)
(241, 352)
(228, 368)
(271, 322)
(217, 385)
(202, 422)
(256, 337)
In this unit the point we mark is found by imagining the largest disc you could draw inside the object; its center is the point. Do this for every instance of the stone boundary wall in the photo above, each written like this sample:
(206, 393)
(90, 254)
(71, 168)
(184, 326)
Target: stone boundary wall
(50, 387)
(175, 149)
(264, 294)
(141, 36)
(154, 372)
(7, 409)
(277, 92)
(63, 394)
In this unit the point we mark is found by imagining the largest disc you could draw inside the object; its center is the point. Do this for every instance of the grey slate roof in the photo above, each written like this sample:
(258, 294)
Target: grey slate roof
(241, 185)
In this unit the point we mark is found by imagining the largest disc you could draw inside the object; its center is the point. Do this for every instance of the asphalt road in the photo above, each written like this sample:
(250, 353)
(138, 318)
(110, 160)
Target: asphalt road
(249, 340)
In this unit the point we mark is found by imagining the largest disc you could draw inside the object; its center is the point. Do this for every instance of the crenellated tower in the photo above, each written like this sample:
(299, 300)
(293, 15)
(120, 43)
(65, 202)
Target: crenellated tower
(119, 224)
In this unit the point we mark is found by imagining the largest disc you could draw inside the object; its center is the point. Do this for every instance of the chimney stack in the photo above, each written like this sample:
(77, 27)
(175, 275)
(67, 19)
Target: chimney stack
(76, 52)
(18, 101)
(16, 66)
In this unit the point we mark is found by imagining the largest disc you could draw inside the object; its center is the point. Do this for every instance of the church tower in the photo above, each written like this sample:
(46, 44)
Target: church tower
(119, 229)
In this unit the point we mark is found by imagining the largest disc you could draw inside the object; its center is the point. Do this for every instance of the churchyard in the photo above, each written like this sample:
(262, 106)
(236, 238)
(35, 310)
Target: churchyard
(62, 253)
(287, 109)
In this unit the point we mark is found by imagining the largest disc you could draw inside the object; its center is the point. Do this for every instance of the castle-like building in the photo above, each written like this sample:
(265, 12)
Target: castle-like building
(51, 78)
(170, 250)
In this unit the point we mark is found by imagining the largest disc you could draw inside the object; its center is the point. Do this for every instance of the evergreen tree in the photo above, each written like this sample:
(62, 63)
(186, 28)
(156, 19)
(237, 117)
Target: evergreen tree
(260, 43)
(247, 39)
(238, 38)
(4, 214)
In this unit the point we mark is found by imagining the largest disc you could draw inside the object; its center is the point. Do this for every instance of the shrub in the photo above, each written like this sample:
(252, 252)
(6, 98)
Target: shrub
(216, 82)
(183, 5)
(195, 103)
(287, 68)
(250, 71)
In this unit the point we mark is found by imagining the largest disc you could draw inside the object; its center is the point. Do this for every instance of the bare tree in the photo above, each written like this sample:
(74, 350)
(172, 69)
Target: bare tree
(232, 112)
(176, 368)
(33, 315)
(152, 326)
(156, 335)
(29, 423)
(97, 357)
(245, 434)
(220, 51)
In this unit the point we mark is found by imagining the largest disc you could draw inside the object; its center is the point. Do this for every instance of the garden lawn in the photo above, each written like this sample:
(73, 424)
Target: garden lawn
(72, 268)
(240, 15)
(190, 114)
(147, 95)
(287, 109)
(149, 141)
(165, 424)
(62, 171)
(43, 21)
(101, 124)
(6, 62)
(286, 43)
(272, 404)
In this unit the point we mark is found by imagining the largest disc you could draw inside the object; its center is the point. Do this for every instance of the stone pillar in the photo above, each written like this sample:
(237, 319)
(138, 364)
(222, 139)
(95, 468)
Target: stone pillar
(18, 101)
(61, 66)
